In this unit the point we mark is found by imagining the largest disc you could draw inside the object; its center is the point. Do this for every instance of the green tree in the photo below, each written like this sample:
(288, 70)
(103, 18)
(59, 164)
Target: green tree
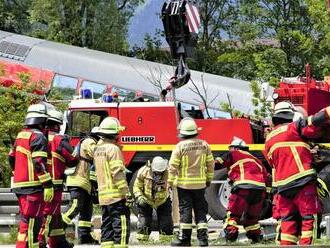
(320, 17)
(13, 105)
(14, 16)
(97, 24)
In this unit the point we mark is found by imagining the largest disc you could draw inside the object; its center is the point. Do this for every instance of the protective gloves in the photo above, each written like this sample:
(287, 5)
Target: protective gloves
(322, 189)
(48, 194)
(129, 200)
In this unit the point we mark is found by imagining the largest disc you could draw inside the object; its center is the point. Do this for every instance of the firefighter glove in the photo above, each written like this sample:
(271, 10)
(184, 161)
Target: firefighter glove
(48, 194)
(129, 200)
(208, 184)
(322, 189)
(141, 201)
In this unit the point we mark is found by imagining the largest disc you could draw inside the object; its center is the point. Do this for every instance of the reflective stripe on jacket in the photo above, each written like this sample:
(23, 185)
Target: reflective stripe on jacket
(288, 153)
(191, 164)
(154, 193)
(30, 162)
(60, 157)
(245, 169)
(81, 177)
(110, 172)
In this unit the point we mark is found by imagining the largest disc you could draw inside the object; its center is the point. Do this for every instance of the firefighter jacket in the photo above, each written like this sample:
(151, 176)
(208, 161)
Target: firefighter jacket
(59, 157)
(110, 172)
(245, 170)
(154, 189)
(191, 164)
(81, 176)
(28, 159)
(289, 154)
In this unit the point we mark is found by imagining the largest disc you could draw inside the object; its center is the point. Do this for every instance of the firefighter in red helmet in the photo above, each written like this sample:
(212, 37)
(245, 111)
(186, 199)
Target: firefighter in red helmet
(293, 176)
(249, 179)
(60, 156)
(32, 183)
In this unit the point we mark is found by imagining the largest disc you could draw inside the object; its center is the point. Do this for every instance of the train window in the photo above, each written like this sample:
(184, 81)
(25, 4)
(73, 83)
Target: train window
(82, 122)
(97, 88)
(63, 86)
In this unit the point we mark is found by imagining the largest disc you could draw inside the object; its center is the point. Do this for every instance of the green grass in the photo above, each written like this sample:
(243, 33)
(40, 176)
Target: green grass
(10, 238)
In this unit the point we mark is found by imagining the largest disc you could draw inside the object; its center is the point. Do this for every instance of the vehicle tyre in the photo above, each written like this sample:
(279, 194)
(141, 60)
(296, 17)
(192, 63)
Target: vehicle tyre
(217, 195)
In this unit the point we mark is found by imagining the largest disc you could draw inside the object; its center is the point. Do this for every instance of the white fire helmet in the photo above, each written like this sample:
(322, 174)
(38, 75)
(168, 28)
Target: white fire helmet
(159, 164)
(56, 116)
(238, 142)
(284, 110)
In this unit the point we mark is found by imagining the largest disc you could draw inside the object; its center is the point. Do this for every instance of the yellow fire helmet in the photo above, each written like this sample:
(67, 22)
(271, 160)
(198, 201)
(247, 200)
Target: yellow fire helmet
(110, 125)
(188, 127)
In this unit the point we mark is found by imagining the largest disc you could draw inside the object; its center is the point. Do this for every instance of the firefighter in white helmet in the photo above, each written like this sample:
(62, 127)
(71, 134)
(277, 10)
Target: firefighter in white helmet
(32, 183)
(191, 170)
(60, 156)
(151, 192)
(112, 185)
(293, 175)
(248, 178)
(80, 187)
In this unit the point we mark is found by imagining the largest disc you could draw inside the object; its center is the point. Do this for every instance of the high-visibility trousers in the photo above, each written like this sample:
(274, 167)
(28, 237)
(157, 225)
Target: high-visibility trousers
(192, 200)
(304, 203)
(52, 226)
(31, 209)
(81, 203)
(250, 202)
(115, 229)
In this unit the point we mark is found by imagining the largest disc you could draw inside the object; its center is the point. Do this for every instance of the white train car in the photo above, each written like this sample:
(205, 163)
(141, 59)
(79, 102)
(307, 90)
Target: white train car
(94, 69)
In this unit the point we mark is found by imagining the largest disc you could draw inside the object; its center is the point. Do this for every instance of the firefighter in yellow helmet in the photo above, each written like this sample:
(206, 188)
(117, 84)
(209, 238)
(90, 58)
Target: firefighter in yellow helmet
(151, 192)
(191, 170)
(112, 186)
(79, 186)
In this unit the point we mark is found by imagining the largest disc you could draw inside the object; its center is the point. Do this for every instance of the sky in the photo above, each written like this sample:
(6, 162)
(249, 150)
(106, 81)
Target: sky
(145, 20)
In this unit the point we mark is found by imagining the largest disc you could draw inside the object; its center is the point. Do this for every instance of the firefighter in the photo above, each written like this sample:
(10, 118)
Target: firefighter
(60, 156)
(79, 186)
(151, 192)
(248, 178)
(293, 175)
(32, 183)
(191, 170)
(112, 186)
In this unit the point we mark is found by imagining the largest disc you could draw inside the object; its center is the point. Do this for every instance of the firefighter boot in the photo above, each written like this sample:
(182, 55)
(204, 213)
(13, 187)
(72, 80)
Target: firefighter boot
(184, 238)
(202, 237)
(255, 236)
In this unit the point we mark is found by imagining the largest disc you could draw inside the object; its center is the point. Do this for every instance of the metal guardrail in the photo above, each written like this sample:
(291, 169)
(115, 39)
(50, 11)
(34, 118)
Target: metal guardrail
(9, 203)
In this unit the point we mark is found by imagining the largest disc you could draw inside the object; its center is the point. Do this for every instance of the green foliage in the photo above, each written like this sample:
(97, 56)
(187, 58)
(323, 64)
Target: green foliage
(152, 50)
(259, 101)
(100, 25)
(226, 107)
(14, 16)
(13, 105)
(97, 24)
